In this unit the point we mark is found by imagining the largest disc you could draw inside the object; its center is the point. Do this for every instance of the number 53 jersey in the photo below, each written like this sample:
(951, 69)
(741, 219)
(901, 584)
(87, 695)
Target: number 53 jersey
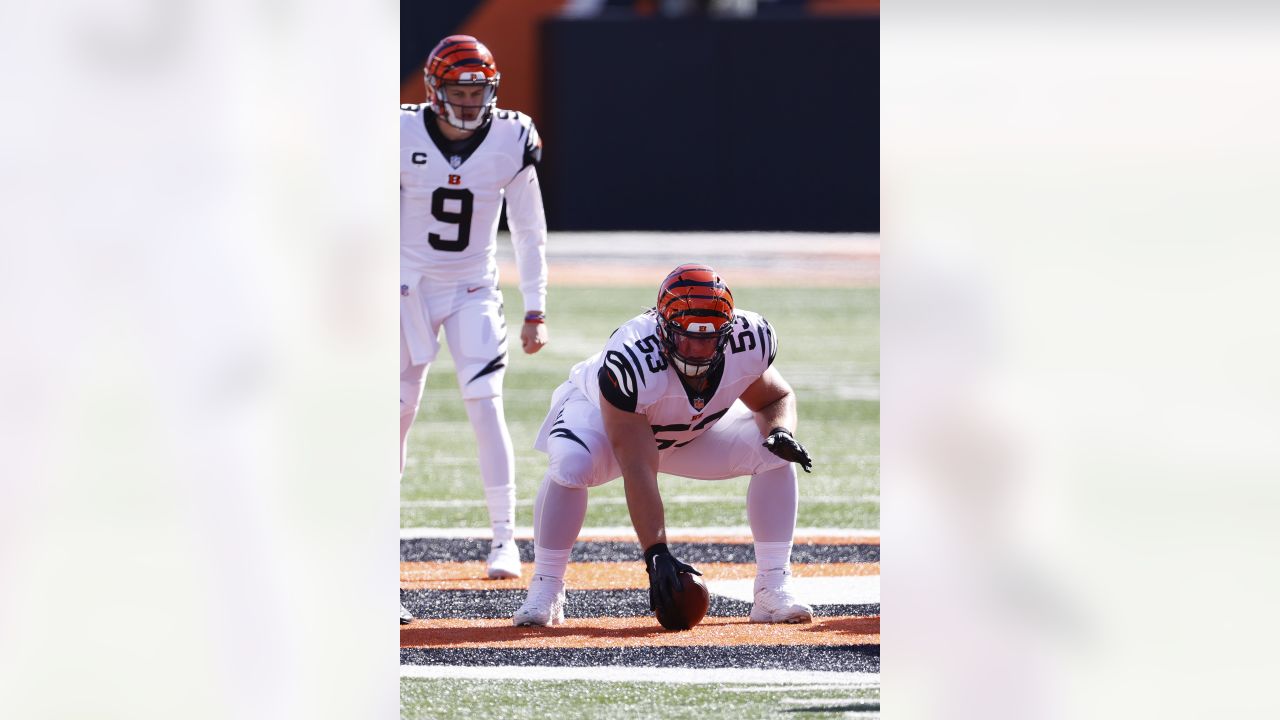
(451, 196)
(632, 374)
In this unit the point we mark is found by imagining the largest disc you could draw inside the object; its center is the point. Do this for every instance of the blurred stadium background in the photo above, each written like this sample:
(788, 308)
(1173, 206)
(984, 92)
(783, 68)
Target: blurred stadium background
(741, 134)
(760, 115)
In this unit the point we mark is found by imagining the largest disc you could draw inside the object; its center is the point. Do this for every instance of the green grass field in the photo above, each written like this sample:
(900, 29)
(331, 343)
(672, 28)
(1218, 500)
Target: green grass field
(829, 350)
(566, 700)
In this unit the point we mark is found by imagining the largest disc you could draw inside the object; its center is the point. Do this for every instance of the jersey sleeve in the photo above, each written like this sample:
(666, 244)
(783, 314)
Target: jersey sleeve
(525, 215)
(528, 223)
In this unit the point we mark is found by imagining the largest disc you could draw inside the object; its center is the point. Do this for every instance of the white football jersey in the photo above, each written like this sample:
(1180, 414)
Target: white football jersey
(632, 374)
(450, 202)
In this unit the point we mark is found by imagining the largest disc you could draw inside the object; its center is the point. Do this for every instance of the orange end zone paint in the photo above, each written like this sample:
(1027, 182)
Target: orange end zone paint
(636, 631)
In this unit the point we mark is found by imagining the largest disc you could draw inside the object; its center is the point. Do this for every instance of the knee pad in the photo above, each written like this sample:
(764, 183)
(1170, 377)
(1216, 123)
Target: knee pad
(408, 410)
(410, 399)
(768, 462)
(572, 468)
(784, 473)
(412, 381)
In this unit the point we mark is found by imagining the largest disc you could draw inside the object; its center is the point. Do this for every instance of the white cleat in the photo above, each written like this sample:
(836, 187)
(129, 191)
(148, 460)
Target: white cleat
(504, 561)
(545, 604)
(775, 603)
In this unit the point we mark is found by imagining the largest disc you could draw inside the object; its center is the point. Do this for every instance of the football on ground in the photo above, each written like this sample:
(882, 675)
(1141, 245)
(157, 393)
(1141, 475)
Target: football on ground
(689, 604)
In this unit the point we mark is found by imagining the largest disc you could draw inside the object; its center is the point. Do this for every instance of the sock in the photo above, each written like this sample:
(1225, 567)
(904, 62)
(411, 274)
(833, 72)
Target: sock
(772, 558)
(772, 497)
(497, 463)
(502, 498)
(550, 563)
(559, 512)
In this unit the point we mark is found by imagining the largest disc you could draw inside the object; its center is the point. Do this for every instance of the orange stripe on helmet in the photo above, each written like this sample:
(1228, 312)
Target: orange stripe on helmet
(693, 293)
(458, 54)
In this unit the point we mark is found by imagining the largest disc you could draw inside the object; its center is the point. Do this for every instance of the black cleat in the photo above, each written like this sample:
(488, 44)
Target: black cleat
(406, 617)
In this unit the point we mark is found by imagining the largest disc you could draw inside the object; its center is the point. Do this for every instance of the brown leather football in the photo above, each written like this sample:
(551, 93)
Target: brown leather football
(689, 605)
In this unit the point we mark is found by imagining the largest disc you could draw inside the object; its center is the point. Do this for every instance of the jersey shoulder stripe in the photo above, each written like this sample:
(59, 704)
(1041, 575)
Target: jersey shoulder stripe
(753, 337)
(617, 378)
(636, 363)
(528, 140)
(768, 341)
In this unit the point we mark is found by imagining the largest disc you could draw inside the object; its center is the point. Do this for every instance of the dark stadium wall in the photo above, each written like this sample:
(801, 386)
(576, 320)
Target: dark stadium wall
(693, 124)
(509, 28)
(422, 24)
(652, 123)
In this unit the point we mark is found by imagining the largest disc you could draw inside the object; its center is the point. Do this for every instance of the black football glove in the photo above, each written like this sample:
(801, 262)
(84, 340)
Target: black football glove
(664, 578)
(781, 443)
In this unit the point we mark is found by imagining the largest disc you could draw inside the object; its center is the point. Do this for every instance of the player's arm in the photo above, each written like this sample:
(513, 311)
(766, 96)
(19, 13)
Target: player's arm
(528, 225)
(633, 446)
(773, 401)
(632, 441)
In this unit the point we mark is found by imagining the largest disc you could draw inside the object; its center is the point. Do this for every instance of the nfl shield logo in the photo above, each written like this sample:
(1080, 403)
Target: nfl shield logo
(455, 161)
(698, 403)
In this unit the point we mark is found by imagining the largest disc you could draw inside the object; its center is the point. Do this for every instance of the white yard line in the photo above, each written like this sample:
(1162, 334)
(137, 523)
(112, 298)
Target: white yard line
(645, 674)
(742, 531)
(684, 499)
(854, 590)
(784, 688)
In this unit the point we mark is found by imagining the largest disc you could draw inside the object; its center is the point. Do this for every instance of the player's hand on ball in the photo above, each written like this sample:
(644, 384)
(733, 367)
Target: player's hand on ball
(664, 574)
(533, 336)
(781, 443)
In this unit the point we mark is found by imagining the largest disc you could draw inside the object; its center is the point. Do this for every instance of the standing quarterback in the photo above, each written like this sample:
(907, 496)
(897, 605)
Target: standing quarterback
(687, 388)
(460, 156)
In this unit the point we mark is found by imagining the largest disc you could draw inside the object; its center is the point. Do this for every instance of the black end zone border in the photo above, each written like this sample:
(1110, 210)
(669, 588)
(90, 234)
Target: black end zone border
(829, 658)
(475, 549)
(473, 604)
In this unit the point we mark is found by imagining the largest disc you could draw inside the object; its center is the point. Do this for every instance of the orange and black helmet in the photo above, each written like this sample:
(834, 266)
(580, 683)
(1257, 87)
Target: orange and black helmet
(695, 315)
(461, 60)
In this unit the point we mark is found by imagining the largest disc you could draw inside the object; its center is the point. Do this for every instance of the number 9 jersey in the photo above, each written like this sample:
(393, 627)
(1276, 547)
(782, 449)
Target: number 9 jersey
(451, 195)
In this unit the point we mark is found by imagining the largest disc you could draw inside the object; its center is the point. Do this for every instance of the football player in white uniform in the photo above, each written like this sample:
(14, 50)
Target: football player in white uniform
(460, 156)
(686, 388)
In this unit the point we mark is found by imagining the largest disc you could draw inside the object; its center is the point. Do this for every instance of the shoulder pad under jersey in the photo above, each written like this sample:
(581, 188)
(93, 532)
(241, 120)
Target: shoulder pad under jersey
(526, 134)
(754, 335)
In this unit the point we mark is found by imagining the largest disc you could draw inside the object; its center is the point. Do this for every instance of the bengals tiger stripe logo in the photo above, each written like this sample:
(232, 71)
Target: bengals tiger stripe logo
(694, 297)
(617, 378)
